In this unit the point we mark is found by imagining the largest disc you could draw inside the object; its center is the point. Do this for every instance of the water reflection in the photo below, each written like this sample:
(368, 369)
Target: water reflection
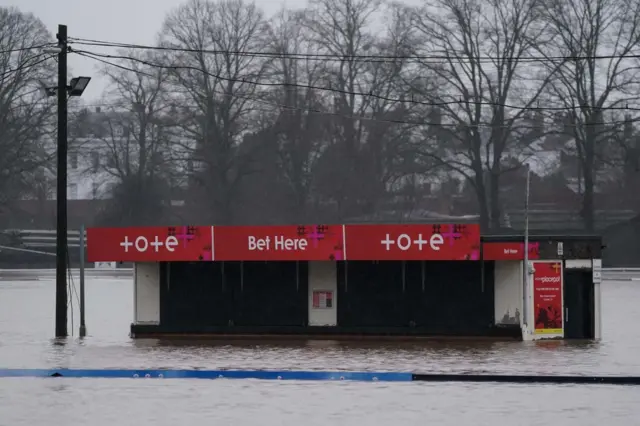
(27, 323)
(59, 387)
(315, 343)
(27, 313)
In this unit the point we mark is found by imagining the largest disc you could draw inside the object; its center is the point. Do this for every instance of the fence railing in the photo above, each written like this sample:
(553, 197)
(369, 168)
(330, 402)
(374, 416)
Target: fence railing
(28, 274)
(109, 271)
(621, 274)
(40, 238)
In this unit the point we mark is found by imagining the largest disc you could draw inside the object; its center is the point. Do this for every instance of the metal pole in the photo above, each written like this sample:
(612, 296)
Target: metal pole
(61, 208)
(525, 298)
(83, 326)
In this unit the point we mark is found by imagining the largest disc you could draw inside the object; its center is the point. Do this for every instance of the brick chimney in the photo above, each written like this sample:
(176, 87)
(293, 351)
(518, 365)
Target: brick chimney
(538, 123)
(628, 128)
(435, 116)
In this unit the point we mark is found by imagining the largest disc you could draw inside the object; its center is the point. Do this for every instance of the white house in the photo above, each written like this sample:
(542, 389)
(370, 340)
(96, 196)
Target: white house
(103, 144)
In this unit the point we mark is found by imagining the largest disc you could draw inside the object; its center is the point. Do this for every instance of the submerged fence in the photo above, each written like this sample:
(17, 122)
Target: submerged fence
(45, 274)
(110, 271)
(621, 274)
(39, 239)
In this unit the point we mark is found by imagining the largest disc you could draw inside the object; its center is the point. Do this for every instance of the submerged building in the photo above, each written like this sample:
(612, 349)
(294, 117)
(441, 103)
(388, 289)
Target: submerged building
(356, 281)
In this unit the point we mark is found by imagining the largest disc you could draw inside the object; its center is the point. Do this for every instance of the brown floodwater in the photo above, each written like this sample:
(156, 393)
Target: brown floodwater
(26, 327)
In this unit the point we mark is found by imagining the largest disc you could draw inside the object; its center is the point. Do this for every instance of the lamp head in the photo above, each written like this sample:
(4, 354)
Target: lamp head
(78, 85)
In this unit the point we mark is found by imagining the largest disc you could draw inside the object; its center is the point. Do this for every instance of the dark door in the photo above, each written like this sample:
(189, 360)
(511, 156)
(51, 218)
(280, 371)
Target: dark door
(458, 299)
(271, 294)
(372, 295)
(578, 304)
(193, 295)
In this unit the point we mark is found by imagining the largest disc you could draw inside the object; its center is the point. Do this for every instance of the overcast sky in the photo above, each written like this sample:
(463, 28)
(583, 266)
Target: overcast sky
(124, 21)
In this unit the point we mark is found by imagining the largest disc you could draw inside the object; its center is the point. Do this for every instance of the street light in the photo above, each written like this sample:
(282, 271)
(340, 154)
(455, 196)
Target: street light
(76, 87)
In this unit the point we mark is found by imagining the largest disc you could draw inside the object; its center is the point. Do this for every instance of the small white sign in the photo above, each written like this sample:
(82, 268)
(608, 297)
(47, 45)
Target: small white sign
(105, 265)
(560, 248)
(597, 271)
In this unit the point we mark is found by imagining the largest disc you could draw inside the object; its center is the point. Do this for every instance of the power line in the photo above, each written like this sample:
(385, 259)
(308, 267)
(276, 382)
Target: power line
(43, 57)
(265, 55)
(359, 118)
(125, 105)
(25, 65)
(379, 59)
(412, 100)
(351, 117)
(98, 57)
(88, 55)
(26, 48)
(362, 58)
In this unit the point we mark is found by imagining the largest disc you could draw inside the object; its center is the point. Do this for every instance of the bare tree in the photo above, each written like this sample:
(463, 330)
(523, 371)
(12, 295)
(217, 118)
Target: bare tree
(355, 169)
(627, 140)
(298, 125)
(596, 36)
(477, 58)
(217, 73)
(24, 112)
(133, 139)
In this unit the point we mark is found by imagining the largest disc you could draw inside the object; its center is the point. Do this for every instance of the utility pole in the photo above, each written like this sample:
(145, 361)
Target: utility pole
(83, 325)
(525, 287)
(61, 198)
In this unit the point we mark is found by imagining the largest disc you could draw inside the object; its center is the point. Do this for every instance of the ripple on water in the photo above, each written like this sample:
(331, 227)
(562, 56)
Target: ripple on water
(26, 325)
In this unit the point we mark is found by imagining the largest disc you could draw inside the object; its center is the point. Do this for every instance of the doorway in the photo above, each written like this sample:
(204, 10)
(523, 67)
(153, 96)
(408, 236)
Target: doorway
(579, 318)
(192, 294)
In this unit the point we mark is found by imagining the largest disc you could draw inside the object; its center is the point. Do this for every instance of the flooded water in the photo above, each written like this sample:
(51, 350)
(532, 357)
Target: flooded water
(26, 327)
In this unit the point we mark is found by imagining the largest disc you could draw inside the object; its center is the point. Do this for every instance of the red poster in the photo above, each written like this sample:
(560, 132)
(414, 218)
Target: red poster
(509, 251)
(149, 244)
(547, 297)
(412, 242)
(311, 242)
(322, 299)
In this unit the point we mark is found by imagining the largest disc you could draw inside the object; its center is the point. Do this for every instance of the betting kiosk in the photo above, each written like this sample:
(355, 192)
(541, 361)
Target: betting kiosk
(354, 281)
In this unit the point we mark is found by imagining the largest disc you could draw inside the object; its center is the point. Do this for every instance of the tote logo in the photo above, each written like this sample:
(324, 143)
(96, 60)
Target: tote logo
(556, 267)
(404, 242)
(142, 244)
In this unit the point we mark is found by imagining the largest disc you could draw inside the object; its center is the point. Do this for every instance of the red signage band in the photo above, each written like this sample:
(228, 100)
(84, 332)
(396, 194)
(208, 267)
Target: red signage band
(149, 244)
(310, 242)
(509, 251)
(264, 243)
(413, 242)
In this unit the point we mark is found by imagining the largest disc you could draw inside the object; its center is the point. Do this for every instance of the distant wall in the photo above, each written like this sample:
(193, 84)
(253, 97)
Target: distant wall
(21, 260)
(622, 243)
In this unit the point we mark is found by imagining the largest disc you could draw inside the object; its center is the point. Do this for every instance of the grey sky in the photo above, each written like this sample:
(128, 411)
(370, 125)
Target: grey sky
(124, 21)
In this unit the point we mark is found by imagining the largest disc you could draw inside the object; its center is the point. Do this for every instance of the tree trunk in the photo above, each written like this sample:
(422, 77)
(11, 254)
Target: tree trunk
(588, 174)
(483, 207)
(588, 212)
(494, 188)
